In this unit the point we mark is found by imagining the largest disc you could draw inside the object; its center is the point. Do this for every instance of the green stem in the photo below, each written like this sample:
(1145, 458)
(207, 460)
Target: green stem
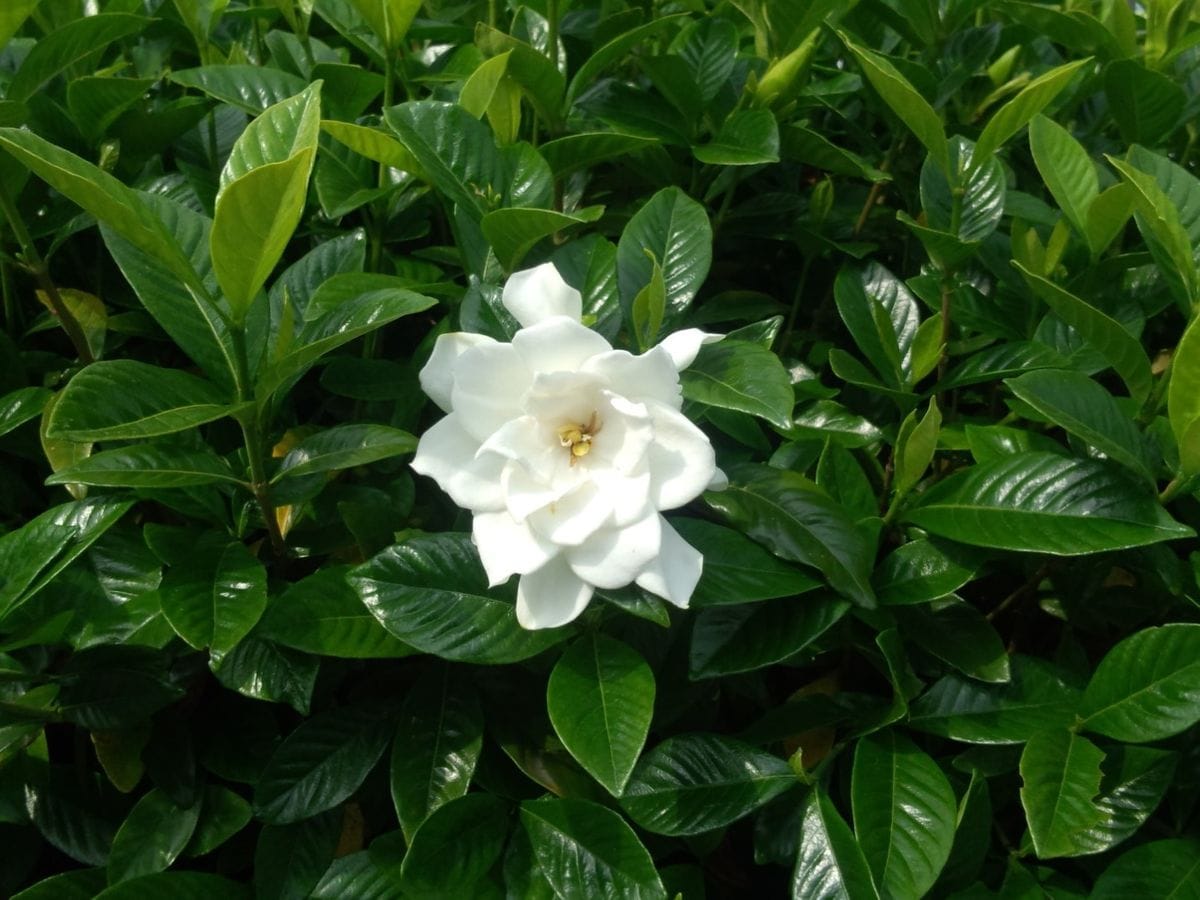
(252, 436)
(1172, 489)
(552, 32)
(10, 301)
(800, 285)
(947, 295)
(36, 266)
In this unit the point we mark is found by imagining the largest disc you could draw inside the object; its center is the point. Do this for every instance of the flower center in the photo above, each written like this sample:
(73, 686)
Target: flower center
(577, 438)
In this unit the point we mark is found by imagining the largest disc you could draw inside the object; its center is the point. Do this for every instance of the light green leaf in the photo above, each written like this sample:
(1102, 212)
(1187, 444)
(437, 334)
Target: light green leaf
(1061, 776)
(1068, 171)
(1183, 399)
(389, 19)
(252, 89)
(915, 446)
(513, 232)
(374, 144)
(1016, 113)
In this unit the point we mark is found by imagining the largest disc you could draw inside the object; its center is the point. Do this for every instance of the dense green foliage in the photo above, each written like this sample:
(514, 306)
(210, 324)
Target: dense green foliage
(946, 641)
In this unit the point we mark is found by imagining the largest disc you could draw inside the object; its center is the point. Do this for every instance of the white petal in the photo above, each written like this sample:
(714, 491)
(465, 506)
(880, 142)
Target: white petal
(682, 461)
(718, 482)
(446, 453)
(673, 574)
(539, 293)
(614, 557)
(624, 435)
(684, 345)
(437, 375)
(558, 344)
(508, 547)
(559, 398)
(651, 376)
(526, 492)
(579, 514)
(489, 383)
(630, 493)
(551, 596)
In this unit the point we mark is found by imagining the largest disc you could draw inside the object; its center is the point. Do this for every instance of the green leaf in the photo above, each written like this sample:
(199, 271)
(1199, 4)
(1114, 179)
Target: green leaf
(252, 89)
(797, 521)
(959, 634)
(539, 78)
(1085, 409)
(649, 307)
(616, 49)
(1146, 104)
(1067, 170)
(1107, 216)
(62, 48)
(431, 592)
(1135, 781)
(743, 376)
(923, 570)
(675, 229)
(729, 639)
(123, 209)
(1147, 687)
(321, 763)
(344, 447)
(581, 848)
(749, 137)
(215, 597)
(126, 400)
(151, 837)
(514, 232)
(97, 101)
(904, 813)
(13, 16)
(147, 466)
(223, 813)
(600, 698)
(1060, 774)
(1165, 868)
(1016, 113)
(1044, 503)
(375, 145)
(389, 19)
(904, 100)
(698, 782)
(736, 569)
(290, 859)
(78, 884)
(264, 670)
(437, 745)
(829, 864)
(454, 848)
(882, 316)
(1183, 398)
(177, 886)
(322, 614)
(1037, 698)
(585, 150)
(915, 447)
(21, 406)
(967, 206)
(263, 188)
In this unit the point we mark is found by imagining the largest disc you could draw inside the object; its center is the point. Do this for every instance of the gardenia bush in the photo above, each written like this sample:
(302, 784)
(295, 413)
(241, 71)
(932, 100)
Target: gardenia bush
(590, 448)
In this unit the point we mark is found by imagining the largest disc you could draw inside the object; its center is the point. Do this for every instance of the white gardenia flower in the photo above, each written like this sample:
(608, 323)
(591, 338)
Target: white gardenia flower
(567, 451)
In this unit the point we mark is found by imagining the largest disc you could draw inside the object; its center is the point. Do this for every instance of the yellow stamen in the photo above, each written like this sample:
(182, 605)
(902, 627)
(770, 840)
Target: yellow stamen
(582, 448)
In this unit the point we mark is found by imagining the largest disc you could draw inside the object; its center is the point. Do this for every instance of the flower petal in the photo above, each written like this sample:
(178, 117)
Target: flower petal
(614, 557)
(651, 376)
(575, 517)
(446, 453)
(718, 482)
(508, 547)
(489, 382)
(551, 596)
(532, 295)
(682, 461)
(674, 573)
(558, 344)
(682, 346)
(437, 375)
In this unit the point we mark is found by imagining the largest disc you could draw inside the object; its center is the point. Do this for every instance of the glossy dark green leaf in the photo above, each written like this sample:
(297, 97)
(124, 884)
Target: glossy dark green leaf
(147, 466)
(290, 859)
(748, 137)
(223, 813)
(1183, 399)
(676, 230)
(796, 520)
(20, 406)
(213, 599)
(1038, 697)
(69, 814)
(904, 813)
(882, 316)
(729, 639)
(743, 376)
(264, 670)
(65, 46)
(1043, 503)
(366, 875)
(698, 782)
(78, 884)
(250, 88)
(583, 848)
(1135, 781)
(1061, 776)
(968, 205)
(829, 420)
(344, 447)
(1163, 868)
(323, 614)
(436, 748)
(600, 698)
(151, 837)
(830, 864)
(431, 592)
(736, 569)
(1085, 409)
(577, 151)
(177, 886)
(1147, 687)
(321, 763)
(923, 570)
(1146, 104)
(1001, 361)
(454, 848)
(958, 633)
